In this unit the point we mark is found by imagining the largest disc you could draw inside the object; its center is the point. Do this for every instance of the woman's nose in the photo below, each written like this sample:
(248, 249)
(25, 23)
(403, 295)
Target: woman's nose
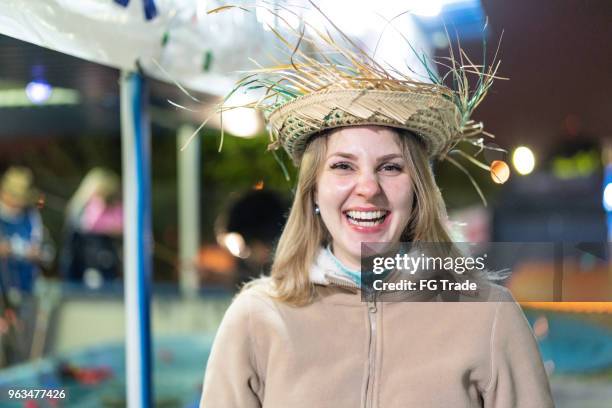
(368, 185)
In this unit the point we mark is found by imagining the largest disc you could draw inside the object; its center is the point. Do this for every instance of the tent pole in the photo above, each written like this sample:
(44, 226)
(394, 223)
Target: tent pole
(188, 162)
(137, 238)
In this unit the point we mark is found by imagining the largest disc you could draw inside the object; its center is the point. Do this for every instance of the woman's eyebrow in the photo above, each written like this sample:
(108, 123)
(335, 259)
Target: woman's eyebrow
(390, 156)
(343, 154)
(380, 159)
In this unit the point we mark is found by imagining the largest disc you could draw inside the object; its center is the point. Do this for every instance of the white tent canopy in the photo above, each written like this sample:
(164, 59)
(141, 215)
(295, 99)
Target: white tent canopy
(202, 51)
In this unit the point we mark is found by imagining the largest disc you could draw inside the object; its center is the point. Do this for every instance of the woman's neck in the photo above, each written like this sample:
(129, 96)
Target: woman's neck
(344, 263)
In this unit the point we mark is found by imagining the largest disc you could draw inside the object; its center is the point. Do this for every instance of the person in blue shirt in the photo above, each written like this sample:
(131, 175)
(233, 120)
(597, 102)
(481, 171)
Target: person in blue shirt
(21, 232)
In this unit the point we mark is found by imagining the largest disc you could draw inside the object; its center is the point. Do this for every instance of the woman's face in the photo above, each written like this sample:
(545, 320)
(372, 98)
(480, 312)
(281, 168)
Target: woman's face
(364, 191)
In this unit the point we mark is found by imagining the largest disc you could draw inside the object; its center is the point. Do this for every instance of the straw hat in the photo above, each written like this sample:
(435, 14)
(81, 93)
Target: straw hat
(329, 81)
(425, 110)
(17, 182)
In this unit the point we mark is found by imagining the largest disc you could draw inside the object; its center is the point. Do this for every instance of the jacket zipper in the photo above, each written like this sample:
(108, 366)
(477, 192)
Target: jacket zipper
(372, 309)
(369, 394)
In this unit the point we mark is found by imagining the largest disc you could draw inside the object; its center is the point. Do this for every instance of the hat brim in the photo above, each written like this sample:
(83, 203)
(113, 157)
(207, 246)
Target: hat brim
(428, 112)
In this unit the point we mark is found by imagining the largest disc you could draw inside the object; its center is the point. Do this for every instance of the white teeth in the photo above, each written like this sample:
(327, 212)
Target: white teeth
(365, 223)
(366, 218)
(366, 215)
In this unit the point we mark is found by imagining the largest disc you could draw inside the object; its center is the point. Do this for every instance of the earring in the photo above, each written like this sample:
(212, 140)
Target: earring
(317, 210)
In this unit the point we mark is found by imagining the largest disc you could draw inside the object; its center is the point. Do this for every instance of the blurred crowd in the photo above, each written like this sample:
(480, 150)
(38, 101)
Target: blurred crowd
(88, 255)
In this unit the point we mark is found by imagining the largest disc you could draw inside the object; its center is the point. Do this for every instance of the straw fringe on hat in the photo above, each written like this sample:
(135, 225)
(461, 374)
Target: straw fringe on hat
(328, 82)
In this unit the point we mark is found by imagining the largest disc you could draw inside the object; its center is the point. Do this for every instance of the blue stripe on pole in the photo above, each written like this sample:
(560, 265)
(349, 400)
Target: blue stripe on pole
(143, 234)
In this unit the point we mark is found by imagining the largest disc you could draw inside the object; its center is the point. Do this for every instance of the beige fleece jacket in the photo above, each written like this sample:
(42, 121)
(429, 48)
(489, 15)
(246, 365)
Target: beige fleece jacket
(341, 352)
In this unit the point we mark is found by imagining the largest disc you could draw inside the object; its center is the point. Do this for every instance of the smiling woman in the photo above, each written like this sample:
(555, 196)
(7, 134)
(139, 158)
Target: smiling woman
(304, 337)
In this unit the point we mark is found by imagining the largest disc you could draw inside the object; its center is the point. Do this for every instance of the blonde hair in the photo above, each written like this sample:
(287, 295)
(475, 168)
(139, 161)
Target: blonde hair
(98, 181)
(305, 232)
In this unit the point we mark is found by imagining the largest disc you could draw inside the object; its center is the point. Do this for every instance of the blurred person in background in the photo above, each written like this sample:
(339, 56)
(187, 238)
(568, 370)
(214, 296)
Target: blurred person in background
(21, 231)
(93, 228)
(21, 256)
(96, 206)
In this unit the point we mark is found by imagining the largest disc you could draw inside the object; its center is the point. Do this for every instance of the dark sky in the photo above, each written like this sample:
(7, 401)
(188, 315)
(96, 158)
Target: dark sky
(558, 55)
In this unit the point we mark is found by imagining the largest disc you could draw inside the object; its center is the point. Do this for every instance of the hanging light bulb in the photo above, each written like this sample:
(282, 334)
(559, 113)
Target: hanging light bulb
(38, 91)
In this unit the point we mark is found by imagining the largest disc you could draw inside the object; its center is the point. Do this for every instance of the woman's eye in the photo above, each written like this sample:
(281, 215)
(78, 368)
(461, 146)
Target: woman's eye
(340, 166)
(392, 167)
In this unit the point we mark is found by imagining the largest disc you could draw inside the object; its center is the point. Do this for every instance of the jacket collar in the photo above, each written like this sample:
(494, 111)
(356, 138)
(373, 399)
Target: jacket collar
(328, 270)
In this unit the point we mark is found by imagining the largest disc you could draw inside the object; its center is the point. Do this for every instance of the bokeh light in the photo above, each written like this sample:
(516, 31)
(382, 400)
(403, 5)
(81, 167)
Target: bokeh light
(38, 91)
(500, 172)
(523, 160)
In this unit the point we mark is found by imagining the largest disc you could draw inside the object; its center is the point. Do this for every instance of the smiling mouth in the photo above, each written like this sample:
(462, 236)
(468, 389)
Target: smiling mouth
(366, 218)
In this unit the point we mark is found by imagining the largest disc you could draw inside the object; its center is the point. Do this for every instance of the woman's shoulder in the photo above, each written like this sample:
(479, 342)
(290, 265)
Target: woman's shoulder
(260, 289)
(254, 298)
(498, 293)
(249, 308)
(495, 298)
(505, 311)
